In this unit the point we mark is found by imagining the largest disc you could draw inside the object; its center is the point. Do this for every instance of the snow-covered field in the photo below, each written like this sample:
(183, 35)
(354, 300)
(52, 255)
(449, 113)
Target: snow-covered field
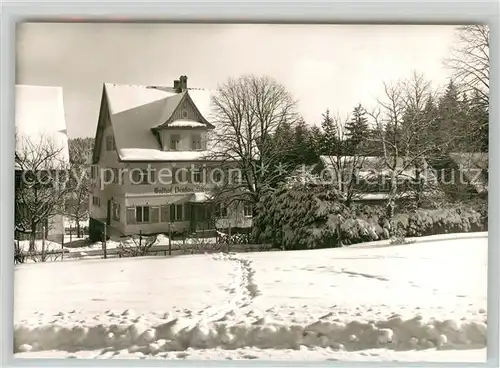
(424, 301)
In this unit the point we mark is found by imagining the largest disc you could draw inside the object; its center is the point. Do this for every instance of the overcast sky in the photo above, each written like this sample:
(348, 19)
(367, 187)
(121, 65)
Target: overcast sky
(323, 66)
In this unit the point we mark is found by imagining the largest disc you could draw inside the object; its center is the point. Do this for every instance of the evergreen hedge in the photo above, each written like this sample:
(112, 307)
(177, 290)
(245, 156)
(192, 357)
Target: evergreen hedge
(307, 216)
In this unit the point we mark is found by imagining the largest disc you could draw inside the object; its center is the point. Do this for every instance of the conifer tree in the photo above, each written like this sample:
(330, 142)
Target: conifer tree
(357, 130)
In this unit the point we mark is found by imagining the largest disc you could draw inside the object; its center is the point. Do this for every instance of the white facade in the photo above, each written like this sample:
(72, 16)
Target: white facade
(152, 167)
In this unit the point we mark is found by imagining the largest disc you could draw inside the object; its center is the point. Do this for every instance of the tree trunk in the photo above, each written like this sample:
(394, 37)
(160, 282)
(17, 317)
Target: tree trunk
(77, 220)
(391, 203)
(32, 237)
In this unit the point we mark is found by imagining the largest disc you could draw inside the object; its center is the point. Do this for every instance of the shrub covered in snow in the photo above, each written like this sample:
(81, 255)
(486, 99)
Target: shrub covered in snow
(299, 217)
(440, 221)
(313, 216)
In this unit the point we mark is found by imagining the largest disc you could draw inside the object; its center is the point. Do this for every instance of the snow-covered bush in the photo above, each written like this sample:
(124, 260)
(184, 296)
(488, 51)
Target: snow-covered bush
(313, 216)
(300, 217)
(440, 221)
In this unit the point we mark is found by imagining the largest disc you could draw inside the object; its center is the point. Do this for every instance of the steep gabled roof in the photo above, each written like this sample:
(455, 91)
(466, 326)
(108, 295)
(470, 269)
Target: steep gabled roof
(137, 112)
(174, 103)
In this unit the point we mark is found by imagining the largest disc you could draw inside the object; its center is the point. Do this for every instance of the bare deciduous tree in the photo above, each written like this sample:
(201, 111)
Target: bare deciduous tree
(470, 59)
(247, 111)
(41, 187)
(401, 125)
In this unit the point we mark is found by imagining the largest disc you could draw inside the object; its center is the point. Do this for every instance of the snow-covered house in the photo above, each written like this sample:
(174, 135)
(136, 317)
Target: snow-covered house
(153, 167)
(41, 137)
(370, 177)
(473, 168)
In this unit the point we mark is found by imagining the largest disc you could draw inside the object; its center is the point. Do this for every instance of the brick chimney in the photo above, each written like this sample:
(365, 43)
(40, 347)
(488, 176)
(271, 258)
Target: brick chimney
(177, 85)
(183, 82)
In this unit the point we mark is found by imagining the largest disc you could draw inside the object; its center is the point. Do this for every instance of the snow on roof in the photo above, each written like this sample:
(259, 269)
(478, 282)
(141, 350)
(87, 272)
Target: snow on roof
(123, 97)
(186, 123)
(40, 119)
(202, 98)
(135, 110)
(144, 154)
(200, 197)
(132, 130)
(370, 164)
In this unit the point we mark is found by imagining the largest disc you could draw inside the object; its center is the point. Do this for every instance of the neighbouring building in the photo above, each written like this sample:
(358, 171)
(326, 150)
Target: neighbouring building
(371, 182)
(153, 169)
(41, 130)
(463, 175)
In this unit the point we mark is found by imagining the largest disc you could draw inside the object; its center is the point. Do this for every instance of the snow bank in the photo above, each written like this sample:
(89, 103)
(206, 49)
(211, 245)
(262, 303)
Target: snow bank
(414, 297)
(181, 333)
(24, 245)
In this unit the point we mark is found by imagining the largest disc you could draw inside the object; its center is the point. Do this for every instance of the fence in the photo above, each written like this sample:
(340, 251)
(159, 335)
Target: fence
(111, 243)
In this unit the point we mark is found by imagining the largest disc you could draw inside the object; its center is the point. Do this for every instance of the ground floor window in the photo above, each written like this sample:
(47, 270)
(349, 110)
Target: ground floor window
(116, 211)
(177, 212)
(164, 213)
(142, 214)
(247, 210)
(221, 210)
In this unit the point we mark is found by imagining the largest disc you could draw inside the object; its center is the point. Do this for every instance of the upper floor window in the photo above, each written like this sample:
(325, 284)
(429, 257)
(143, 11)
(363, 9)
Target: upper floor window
(110, 143)
(196, 142)
(175, 142)
(140, 176)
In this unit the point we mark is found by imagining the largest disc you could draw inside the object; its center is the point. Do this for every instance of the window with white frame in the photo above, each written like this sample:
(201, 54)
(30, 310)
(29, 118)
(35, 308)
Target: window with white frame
(176, 212)
(96, 201)
(108, 175)
(196, 141)
(116, 176)
(180, 175)
(140, 176)
(197, 175)
(217, 175)
(247, 210)
(142, 214)
(116, 211)
(175, 140)
(221, 211)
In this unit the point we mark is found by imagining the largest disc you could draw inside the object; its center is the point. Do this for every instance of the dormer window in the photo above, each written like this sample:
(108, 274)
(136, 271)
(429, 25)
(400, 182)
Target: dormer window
(175, 142)
(196, 142)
